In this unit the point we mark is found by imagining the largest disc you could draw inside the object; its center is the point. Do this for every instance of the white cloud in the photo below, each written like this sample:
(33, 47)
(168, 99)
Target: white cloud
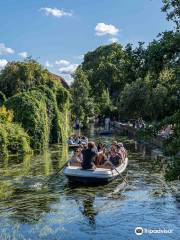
(103, 29)
(113, 40)
(5, 50)
(48, 64)
(62, 62)
(3, 63)
(70, 69)
(23, 54)
(55, 12)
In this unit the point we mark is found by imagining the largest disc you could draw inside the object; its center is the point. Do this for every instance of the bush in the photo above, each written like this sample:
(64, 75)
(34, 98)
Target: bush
(173, 170)
(13, 139)
(38, 101)
(39, 115)
(5, 115)
(30, 110)
(3, 140)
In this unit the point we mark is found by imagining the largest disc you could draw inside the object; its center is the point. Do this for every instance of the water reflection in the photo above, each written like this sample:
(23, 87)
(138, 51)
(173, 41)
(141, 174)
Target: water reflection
(87, 209)
(34, 197)
(24, 184)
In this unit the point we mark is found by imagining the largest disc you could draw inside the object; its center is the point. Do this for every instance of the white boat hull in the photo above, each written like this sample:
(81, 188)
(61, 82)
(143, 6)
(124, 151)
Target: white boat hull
(99, 175)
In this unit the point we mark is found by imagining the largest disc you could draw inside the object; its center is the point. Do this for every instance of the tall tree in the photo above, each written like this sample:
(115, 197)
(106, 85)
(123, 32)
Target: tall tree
(172, 8)
(82, 103)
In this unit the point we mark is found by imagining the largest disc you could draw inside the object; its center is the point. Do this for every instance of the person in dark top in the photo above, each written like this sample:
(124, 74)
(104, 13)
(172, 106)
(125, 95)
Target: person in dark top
(89, 156)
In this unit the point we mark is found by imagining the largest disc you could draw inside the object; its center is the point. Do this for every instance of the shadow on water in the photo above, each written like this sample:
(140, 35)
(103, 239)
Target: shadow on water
(38, 203)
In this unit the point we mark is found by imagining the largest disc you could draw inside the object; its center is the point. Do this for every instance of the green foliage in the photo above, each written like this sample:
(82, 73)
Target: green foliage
(39, 115)
(134, 81)
(106, 107)
(38, 101)
(152, 99)
(82, 103)
(2, 99)
(105, 69)
(172, 144)
(162, 53)
(172, 8)
(18, 77)
(173, 169)
(141, 82)
(30, 110)
(3, 140)
(146, 133)
(13, 139)
(5, 115)
(62, 97)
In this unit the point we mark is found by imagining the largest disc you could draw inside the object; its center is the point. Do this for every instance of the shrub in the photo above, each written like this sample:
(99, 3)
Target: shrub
(30, 110)
(38, 101)
(173, 169)
(5, 115)
(39, 115)
(13, 139)
(3, 140)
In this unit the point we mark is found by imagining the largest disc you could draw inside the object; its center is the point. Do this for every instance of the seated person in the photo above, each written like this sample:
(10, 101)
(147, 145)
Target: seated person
(89, 157)
(113, 146)
(70, 141)
(100, 147)
(84, 140)
(76, 159)
(100, 158)
(121, 150)
(113, 161)
(78, 140)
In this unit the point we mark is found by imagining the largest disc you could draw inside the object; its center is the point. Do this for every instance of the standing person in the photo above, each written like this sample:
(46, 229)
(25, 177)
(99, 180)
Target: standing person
(89, 156)
(107, 123)
(76, 127)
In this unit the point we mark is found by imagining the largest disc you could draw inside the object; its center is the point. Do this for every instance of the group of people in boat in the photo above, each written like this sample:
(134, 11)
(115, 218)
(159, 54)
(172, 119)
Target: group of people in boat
(91, 155)
(77, 140)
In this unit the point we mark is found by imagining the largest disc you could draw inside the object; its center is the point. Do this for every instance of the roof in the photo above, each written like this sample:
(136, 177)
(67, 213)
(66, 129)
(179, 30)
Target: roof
(62, 80)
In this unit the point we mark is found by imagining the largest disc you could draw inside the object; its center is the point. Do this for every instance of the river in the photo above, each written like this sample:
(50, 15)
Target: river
(37, 203)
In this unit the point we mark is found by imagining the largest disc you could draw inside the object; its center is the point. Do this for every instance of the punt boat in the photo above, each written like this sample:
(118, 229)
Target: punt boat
(76, 174)
(73, 146)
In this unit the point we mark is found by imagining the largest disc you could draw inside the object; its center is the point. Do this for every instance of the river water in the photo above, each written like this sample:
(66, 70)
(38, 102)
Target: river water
(38, 203)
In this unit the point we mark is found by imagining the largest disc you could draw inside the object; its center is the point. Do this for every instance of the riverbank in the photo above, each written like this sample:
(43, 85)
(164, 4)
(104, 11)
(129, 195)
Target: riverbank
(172, 163)
(129, 130)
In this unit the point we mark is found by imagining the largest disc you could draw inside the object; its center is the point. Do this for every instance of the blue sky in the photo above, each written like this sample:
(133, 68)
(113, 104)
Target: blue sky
(58, 32)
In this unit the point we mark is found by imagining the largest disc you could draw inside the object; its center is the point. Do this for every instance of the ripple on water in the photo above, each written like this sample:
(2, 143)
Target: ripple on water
(37, 203)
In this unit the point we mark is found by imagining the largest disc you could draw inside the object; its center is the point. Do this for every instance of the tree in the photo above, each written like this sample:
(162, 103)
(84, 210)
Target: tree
(82, 103)
(105, 106)
(172, 8)
(2, 99)
(40, 103)
(18, 76)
